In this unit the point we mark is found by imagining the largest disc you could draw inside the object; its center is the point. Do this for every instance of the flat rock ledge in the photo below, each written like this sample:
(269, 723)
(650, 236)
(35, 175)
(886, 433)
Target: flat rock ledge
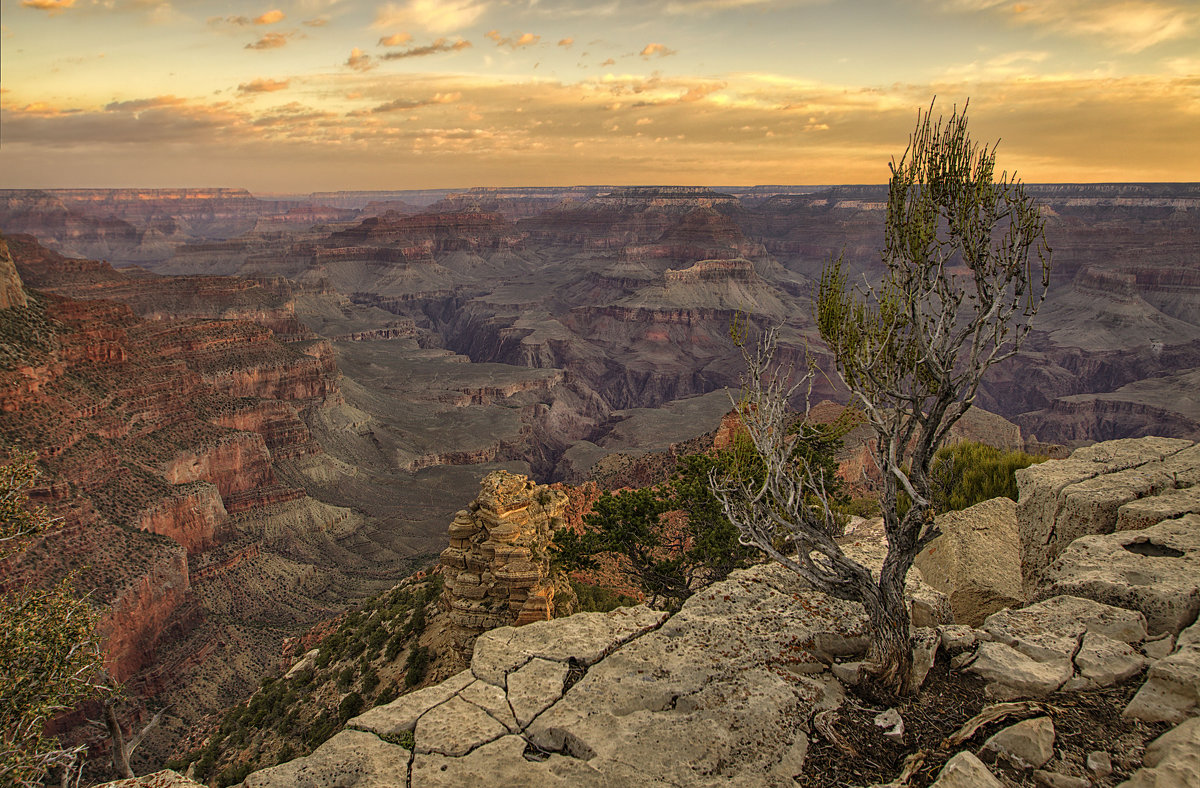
(719, 693)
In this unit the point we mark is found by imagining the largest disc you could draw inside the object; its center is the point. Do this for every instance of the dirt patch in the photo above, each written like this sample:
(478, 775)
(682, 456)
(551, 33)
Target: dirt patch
(1084, 722)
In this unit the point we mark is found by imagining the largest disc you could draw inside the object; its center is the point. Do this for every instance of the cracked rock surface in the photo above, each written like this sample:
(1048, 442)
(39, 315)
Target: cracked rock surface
(719, 693)
(1109, 486)
(1063, 642)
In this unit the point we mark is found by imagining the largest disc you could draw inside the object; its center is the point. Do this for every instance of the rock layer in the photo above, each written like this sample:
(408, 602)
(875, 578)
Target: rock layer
(497, 567)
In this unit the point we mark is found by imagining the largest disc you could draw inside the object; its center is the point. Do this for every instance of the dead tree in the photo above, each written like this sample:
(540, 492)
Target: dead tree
(967, 269)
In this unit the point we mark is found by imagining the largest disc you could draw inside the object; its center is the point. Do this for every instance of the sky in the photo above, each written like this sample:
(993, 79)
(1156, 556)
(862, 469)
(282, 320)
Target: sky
(283, 96)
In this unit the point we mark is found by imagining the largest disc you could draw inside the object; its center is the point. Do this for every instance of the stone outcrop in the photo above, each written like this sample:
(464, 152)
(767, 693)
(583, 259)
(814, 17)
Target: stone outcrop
(717, 694)
(1155, 570)
(12, 293)
(1098, 490)
(497, 567)
(975, 560)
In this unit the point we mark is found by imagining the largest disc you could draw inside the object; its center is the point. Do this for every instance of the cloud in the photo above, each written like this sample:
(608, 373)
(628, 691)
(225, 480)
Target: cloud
(410, 104)
(656, 50)
(609, 62)
(436, 16)
(437, 47)
(272, 40)
(318, 22)
(360, 61)
(269, 18)
(515, 41)
(1131, 26)
(566, 42)
(395, 40)
(141, 105)
(239, 21)
(53, 7)
(262, 86)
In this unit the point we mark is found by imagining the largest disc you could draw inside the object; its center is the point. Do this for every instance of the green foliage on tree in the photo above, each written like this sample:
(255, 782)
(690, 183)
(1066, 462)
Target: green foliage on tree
(50, 659)
(967, 269)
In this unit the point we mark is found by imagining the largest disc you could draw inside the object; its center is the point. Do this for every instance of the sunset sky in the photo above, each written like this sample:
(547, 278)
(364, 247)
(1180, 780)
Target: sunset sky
(344, 94)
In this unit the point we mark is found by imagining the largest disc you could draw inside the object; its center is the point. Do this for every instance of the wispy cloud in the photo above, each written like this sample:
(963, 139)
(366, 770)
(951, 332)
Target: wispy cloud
(515, 41)
(359, 60)
(319, 21)
(656, 50)
(262, 86)
(53, 7)
(436, 16)
(395, 40)
(272, 40)
(566, 42)
(1131, 26)
(437, 47)
(404, 105)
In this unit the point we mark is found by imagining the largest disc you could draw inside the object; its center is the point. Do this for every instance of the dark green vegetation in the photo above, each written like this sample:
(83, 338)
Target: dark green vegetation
(370, 659)
(49, 653)
(670, 539)
(968, 473)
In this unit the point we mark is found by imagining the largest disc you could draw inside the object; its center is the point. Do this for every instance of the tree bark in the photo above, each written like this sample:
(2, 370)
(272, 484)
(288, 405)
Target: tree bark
(889, 657)
(120, 755)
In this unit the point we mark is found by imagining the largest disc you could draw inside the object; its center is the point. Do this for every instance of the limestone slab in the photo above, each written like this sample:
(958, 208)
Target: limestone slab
(585, 636)
(402, 714)
(491, 699)
(501, 764)
(1155, 570)
(1012, 674)
(1172, 760)
(455, 728)
(1027, 743)
(535, 686)
(1172, 688)
(351, 759)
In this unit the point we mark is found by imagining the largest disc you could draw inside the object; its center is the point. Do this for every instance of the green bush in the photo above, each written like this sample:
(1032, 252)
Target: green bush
(387, 694)
(417, 665)
(594, 599)
(968, 473)
(350, 706)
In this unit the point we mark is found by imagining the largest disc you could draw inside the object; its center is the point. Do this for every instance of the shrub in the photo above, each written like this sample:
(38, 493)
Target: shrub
(968, 473)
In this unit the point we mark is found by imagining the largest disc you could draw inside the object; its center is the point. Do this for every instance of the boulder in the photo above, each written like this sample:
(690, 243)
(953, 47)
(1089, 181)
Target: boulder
(965, 771)
(976, 561)
(1028, 744)
(1155, 570)
(1063, 500)
(1172, 688)
(1172, 760)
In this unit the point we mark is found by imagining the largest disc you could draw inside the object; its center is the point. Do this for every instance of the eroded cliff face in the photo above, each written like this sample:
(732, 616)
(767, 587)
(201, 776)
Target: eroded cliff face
(161, 443)
(12, 292)
(497, 567)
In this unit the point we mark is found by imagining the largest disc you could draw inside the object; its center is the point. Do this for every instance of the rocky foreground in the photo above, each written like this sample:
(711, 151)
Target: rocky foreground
(741, 684)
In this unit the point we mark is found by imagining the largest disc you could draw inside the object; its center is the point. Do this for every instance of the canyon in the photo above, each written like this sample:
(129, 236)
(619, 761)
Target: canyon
(251, 412)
